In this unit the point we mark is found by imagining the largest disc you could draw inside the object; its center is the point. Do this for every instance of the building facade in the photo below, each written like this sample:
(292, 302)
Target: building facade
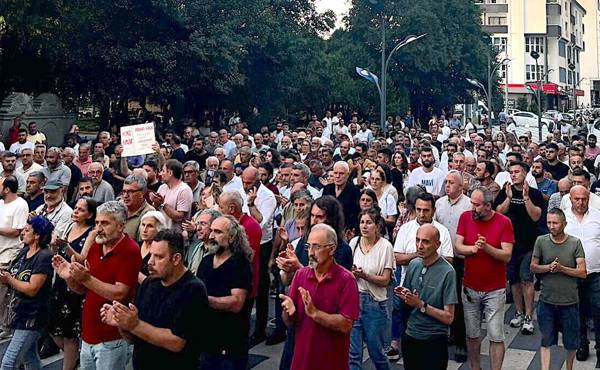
(551, 30)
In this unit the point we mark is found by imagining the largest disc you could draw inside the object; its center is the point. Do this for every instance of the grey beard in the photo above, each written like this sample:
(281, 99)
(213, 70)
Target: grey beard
(313, 264)
(213, 247)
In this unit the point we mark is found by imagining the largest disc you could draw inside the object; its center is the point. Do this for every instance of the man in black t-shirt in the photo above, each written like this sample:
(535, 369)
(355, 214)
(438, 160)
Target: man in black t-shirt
(166, 324)
(524, 206)
(227, 273)
(557, 169)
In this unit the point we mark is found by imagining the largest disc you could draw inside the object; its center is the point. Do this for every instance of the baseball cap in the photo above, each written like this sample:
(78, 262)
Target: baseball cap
(52, 185)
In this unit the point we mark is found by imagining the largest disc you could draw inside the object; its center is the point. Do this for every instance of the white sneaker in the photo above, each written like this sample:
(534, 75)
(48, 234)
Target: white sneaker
(527, 328)
(518, 320)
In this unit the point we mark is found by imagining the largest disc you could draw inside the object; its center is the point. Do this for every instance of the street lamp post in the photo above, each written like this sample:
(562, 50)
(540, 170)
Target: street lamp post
(382, 88)
(574, 78)
(490, 76)
(535, 55)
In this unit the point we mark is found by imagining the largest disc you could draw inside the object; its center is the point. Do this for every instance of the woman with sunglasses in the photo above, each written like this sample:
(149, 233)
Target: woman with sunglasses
(373, 263)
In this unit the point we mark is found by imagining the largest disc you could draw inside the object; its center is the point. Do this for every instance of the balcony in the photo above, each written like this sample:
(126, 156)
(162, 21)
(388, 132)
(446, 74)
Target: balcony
(491, 29)
(553, 31)
(553, 9)
(493, 8)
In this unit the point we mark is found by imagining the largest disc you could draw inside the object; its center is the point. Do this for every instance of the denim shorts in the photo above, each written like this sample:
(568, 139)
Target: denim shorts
(492, 306)
(554, 318)
(519, 268)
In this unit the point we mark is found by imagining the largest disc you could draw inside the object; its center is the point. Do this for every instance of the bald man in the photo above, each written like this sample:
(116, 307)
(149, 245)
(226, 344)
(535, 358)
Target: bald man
(583, 222)
(424, 344)
(261, 204)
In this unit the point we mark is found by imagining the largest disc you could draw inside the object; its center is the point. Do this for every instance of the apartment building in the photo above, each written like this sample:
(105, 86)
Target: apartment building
(556, 31)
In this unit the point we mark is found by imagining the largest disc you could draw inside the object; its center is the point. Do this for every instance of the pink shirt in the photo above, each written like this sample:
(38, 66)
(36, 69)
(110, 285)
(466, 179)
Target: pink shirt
(179, 198)
(83, 166)
(317, 347)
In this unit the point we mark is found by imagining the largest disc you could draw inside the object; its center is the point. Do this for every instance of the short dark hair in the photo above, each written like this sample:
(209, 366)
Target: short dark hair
(8, 154)
(83, 180)
(23, 130)
(552, 146)
(152, 164)
(176, 167)
(267, 167)
(592, 136)
(521, 164)
(386, 152)
(579, 172)
(489, 167)
(427, 197)
(173, 238)
(515, 154)
(11, 183)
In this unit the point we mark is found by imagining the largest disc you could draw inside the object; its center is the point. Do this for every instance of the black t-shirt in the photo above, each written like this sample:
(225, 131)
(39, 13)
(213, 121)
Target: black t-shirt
(154, 187)
(525, 229)
(192, 155)
(181, 307)
(178, 154)
(31, 313)
(349, 199)
(557, 171)
(228, 330)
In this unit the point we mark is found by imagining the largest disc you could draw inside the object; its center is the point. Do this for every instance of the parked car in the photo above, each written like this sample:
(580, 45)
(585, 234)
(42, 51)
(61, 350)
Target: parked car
(529, 119)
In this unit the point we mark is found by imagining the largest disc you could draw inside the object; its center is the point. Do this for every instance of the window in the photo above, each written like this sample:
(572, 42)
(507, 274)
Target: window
(562, 75)
(497, 21)
(530, 74)
(569, 77)
(562, 49)
(534, 43)
(500, 43)
(502, 71)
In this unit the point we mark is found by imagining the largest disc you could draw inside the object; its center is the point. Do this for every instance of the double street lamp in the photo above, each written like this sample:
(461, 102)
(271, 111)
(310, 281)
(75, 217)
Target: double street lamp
(490, 79)
(369, 76)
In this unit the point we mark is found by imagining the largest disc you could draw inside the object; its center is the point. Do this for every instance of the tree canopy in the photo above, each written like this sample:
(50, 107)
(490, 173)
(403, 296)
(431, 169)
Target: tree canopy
(267, 56)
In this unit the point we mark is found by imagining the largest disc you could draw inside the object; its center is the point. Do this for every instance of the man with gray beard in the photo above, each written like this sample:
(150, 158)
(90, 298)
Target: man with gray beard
(108, 273)
(227, 274)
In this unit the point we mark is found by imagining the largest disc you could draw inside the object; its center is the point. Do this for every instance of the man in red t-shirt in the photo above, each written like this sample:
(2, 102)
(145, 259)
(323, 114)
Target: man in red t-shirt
(230, 203)
(106, 274)
(486, 239)
(322, 305)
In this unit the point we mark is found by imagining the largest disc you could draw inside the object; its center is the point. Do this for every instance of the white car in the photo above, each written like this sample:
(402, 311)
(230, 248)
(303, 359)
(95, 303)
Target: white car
(528, 119)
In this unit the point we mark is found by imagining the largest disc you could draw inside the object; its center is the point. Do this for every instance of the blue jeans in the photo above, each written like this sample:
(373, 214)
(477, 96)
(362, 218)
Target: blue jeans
(211, 361)
(370, 327)
(111, 355)
(288, 350)
(589, 305)
(398, 316)
(22, 350)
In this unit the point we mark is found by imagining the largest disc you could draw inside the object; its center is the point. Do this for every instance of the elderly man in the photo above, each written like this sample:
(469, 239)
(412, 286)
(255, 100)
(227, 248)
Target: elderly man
(9, 163)
(191, 171)
(84, 160)
(322, 305)
(55, 208)
(300, 174)
(134, 189)
(228, 145)
(261, 204)
(212, 165)
(563, 188)
(169, 334)
(346, 192)
(198, 249)
(580, 177)
(13, 218)
(109, 273)
(103, 192)
(55, 168)
(227, 273)
(583, 222)
(28, 165)
(34, 195)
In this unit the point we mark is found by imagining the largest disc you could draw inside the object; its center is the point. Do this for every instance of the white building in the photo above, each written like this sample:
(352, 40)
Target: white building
(552, 28)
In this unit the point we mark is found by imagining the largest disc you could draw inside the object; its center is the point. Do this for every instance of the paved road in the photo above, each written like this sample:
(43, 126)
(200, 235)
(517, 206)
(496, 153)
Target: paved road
(522, 354)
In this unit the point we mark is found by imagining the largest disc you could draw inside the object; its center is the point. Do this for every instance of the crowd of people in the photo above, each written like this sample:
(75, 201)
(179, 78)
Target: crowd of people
(404, 240)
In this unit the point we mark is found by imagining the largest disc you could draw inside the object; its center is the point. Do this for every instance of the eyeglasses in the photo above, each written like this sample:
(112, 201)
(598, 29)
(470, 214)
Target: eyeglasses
(317, 247)
(129, 192)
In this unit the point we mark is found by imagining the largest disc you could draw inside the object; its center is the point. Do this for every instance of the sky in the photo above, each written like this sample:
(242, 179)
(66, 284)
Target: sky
(340, 7)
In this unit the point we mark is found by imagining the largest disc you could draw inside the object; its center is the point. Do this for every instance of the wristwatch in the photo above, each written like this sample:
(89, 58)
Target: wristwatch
(424, 308)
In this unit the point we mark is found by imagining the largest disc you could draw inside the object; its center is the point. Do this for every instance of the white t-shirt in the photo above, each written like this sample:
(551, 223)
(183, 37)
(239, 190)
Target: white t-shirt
(387, 205)
(431, 180)
(406, 241)
(17, 147)
(588, 231)
(13, 215)
(375, 262)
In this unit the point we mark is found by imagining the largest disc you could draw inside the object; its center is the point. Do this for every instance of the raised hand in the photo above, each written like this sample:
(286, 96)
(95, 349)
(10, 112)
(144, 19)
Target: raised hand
(61, 266)
(79, 272)
(107, 315)
(309, 306)
(126, 317)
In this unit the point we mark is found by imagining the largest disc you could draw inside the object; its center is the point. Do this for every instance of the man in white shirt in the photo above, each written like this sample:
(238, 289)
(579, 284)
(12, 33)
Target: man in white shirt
(261, 204)
(580, 177)
(228, 145)
(583, 222)
(27, 164)
(13, 217)
(22, 143)
(405, 248)
(234, 183)
(427, 175)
